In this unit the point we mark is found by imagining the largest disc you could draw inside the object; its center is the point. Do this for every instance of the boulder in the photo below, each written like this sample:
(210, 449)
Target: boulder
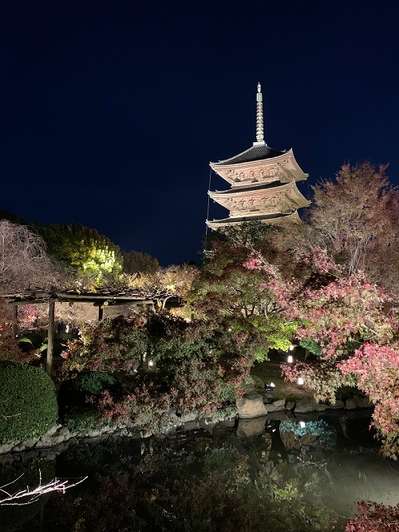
(23, 446)
(308, 404)
(188, 416)
(350, 404)
(247, 428)
(338, 405)
(290, 405)
(362, 402)
(250, 406)
(6, 448)
(276, 406)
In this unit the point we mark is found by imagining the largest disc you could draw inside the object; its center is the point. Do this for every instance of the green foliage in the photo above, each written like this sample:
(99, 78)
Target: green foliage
(311, 346)
(241, 290)
(113, 345)
(249, 234)
(84, 250)
(274, 332)
(84, 419)
(196, 368)
(138, 262)
(95, 382)
(28, 404)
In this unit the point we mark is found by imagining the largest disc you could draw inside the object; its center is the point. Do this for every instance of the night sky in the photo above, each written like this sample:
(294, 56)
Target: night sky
(110, 114)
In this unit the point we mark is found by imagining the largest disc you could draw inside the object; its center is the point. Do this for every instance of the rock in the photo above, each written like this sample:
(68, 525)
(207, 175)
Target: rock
(191, 425)
(53, 429)
(223, 425)
(362, 402)
(190, 416)
(23, 446)
(308, 404)
(248, 428)
(250, 406)
(290, 405)
(62, 435)
(339, 405)
(279, 415)
(6, 448)
(350, 404)
(276, 406)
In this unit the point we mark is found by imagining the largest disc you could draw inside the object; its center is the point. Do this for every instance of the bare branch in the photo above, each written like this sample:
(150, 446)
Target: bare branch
(31, 495)
(24, 262)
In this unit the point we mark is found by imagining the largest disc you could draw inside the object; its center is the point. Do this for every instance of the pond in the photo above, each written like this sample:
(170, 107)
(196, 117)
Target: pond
(266, 474)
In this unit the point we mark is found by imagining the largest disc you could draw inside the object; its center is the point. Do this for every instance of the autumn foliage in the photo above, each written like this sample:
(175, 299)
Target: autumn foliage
(354, 218)
(373, 517)
(334, 281)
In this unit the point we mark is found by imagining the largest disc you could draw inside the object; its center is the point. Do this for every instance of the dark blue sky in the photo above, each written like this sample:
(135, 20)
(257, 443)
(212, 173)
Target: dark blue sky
(109, 115)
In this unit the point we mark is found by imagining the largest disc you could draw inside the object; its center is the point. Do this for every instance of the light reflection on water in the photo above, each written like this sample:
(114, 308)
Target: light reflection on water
(255, 472)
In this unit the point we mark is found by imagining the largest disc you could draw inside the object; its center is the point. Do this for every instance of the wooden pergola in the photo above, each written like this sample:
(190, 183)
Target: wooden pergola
(140, 297)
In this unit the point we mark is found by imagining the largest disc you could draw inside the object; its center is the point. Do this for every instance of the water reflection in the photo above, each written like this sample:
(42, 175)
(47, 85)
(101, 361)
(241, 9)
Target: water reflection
(264, 474)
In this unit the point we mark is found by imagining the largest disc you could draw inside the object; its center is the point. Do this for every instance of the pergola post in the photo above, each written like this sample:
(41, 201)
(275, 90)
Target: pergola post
(15, 319)
(100, 312)
(50, 336)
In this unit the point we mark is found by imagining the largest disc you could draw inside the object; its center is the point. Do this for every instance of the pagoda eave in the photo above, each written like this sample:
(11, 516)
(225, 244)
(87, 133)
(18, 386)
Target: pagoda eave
(282, 167)
(266, 199)
(280, 219)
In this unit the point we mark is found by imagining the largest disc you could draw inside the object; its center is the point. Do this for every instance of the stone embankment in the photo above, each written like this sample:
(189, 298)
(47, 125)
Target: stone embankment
(61, 434)
(252, 405)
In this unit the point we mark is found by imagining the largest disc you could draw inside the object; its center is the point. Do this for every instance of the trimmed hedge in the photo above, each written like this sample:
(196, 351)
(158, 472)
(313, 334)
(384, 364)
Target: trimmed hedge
(28, 402)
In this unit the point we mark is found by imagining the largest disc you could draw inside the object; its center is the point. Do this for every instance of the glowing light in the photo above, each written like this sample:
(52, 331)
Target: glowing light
(300, 381)
(292, 347)
(302, 424)
(67, 328)
(151, 363)
(290, 359)
(272, 385)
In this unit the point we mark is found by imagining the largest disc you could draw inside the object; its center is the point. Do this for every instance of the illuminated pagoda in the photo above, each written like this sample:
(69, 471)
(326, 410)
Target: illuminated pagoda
(263, 182)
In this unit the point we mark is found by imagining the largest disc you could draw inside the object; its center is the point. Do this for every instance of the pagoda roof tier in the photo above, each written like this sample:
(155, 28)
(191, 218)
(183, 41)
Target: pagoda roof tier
(261, 200)
(279, 219)
(282, 166)
(258, 151)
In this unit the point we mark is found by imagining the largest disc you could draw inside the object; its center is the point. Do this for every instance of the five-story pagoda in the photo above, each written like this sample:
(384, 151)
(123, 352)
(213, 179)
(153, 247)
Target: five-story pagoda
(263, 182)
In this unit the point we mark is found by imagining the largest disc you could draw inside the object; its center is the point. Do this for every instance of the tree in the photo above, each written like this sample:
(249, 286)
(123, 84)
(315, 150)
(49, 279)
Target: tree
(24, 262)
(376, 369)
(240, 290)
(350, 328)
(138, 262)
(83, 249)
(355, 218)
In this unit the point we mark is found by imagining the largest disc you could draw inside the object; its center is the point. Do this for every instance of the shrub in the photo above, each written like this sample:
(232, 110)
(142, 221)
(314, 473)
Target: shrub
(28, 403)
(95, 382)
(373, 517)
(83, 419)
(112, 346)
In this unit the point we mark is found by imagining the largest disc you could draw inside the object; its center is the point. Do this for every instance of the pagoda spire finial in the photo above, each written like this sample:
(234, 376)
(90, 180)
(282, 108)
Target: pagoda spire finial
(259, 116)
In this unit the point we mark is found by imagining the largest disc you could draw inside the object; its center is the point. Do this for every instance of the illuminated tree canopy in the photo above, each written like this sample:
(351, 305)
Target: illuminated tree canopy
(84, 250)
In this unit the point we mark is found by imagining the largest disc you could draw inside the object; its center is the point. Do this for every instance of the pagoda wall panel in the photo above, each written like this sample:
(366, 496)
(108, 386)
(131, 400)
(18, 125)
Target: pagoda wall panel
(282, 199)
(283, 168)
